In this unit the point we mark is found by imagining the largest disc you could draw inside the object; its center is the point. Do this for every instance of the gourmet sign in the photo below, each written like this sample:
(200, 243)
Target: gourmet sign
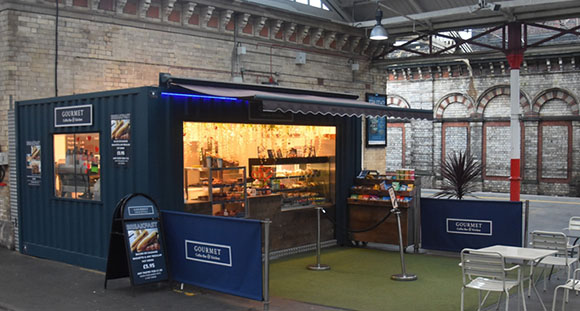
(469, 226)
(73, 116)
(208, 252)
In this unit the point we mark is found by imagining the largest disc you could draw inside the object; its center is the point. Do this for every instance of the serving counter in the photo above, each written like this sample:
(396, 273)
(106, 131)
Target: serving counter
(369, 204)
(290, 227)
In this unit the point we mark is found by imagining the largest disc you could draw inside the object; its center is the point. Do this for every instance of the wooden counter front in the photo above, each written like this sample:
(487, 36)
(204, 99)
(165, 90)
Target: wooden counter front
(290, 228)
(364, 216)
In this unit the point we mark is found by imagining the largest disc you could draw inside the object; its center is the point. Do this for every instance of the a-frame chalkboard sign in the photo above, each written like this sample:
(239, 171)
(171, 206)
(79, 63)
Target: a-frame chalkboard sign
(136, 245)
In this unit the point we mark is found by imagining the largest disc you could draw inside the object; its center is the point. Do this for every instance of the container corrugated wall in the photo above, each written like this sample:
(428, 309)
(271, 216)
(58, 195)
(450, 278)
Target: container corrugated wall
(77, 231)
(13, 176)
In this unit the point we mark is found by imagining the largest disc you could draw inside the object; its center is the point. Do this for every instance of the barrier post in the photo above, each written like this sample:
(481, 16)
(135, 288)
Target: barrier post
(318, 266)
(403, 276)
(526, 221)
(267, 223)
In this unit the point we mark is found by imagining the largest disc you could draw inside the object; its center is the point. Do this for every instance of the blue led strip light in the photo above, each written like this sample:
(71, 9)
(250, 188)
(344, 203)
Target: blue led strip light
(200, 96)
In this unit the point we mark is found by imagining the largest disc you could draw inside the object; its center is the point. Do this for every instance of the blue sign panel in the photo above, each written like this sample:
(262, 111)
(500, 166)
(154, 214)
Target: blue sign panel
(146, 210)
(452, 225)
(376, 126)
(219, 253)
(139, 207)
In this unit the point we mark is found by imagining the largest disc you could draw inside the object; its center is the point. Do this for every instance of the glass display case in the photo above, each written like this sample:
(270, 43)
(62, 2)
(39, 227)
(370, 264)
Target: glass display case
(224, 188)
(302, 182)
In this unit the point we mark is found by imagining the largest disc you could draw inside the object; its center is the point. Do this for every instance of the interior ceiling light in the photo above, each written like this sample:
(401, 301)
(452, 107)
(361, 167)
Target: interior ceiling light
(379, 32)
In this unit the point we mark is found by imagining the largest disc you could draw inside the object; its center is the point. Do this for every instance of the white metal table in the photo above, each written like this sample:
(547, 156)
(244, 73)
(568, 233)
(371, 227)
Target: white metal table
(532, 255)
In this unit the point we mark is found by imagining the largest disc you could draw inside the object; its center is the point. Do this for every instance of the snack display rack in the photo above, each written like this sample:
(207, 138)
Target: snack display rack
(369, 202)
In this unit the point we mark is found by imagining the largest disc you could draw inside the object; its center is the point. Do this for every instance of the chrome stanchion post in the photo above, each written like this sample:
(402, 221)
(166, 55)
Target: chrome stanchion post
(318, 266)
(403, 276)
(266, 289)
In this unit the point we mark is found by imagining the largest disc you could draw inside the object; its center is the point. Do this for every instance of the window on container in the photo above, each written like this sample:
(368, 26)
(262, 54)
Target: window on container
(77, 170)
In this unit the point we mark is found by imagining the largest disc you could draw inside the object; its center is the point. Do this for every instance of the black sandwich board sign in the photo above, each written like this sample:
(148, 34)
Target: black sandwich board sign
(136, 246)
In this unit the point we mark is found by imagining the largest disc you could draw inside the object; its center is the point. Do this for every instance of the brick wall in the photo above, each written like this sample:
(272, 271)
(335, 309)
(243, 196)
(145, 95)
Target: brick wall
(395, 146)
(419, 145)
(482, 102)
(554, 151)
(7, 71)
(104, 49)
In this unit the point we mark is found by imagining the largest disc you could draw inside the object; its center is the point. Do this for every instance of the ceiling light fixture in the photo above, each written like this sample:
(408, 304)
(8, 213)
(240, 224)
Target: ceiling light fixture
(379, 32)
(484, 5)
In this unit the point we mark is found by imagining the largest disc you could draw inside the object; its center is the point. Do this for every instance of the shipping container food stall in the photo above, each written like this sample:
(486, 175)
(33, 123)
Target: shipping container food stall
(205, 147)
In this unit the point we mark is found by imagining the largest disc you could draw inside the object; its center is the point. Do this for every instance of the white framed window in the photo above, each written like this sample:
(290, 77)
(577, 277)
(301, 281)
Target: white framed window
(77, 169)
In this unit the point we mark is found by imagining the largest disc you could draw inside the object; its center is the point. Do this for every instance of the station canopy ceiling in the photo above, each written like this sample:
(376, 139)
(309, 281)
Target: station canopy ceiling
(405, 17)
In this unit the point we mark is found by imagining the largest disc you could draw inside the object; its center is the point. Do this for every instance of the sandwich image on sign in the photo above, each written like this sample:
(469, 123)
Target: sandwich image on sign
(33, 159)
(144, 240)
(120, 129)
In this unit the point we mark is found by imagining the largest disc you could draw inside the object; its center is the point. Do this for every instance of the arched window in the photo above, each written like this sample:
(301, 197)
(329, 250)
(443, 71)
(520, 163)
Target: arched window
(555, 136)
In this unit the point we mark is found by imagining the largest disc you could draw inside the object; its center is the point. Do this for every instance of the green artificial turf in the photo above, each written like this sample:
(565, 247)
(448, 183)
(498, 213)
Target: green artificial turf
(360, 279)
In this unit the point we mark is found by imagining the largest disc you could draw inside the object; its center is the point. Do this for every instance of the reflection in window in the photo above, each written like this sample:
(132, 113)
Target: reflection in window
(77, 166)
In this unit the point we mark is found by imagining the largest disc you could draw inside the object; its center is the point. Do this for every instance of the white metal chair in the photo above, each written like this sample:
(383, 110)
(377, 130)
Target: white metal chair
(486, 271)
(571, 284)
(554, 241)
(573, 225)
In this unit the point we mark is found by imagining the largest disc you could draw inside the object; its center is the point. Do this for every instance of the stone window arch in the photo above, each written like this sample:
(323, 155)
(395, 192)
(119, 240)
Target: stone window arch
(397, 101)
(557, 97)
(501, 90)
(453, 101)
(555, 137)
(494, 104)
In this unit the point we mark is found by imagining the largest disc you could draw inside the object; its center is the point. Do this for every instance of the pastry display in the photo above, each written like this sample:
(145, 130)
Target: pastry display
(301, 182)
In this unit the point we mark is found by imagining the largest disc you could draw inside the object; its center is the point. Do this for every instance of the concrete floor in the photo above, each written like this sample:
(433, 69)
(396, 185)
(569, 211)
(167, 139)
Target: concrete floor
(29, 283)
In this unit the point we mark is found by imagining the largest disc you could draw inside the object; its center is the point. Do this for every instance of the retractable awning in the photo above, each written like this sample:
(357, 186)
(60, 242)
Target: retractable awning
(340, 105)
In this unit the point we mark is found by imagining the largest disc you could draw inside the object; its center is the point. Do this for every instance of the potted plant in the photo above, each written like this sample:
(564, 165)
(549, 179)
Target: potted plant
(459, 172)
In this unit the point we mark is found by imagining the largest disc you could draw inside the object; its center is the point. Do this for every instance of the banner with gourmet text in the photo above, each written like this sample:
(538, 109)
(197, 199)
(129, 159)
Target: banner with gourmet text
(452, 225)
(218, 253)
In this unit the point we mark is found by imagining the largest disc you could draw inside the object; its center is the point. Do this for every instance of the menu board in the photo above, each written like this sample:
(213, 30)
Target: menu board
(33, 163)
(136, 245)
(121, 138)
(146, 255)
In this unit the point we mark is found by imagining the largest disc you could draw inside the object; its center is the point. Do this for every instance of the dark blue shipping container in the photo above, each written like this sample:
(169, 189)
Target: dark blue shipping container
(77, 231)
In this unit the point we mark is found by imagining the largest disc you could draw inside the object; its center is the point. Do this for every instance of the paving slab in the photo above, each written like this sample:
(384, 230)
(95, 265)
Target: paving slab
(30, 283)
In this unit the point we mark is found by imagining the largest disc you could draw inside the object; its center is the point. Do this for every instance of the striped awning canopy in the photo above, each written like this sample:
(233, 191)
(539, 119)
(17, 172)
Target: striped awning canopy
(301, 101)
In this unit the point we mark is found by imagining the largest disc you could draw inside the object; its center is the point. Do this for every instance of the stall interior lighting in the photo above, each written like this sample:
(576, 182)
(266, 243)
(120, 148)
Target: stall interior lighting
(200, 96)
